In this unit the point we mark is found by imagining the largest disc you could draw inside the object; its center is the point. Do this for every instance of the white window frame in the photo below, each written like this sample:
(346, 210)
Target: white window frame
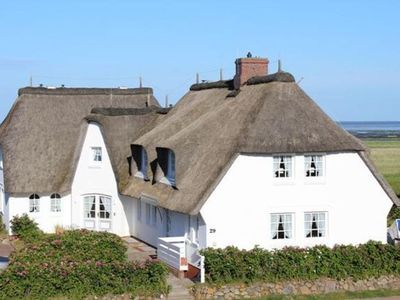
(319, 161)
(34, 203)
(290, 227)
(55, 203)
(322, 223)
(288, 161)
(96, 155)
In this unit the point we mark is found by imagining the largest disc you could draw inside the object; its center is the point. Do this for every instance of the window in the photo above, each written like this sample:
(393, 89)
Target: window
(315, 224)
(151, 214)
(97, 154)
(282, 166)
(281, 226)
(105, 207)
(166, 160)
(139, 210)
(314, 165)
(139, 156)
(89, 207)
(55, 203)
(34, 203)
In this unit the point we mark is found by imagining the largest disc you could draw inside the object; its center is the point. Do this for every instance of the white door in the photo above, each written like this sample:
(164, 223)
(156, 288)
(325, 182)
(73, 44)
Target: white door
(97, 213)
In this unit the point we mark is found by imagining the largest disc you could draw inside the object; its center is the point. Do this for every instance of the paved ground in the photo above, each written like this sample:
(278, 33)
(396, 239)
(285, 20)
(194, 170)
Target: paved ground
(138, 250)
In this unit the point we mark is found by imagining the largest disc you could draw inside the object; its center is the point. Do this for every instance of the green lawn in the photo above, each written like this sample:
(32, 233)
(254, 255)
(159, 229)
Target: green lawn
(386, 155)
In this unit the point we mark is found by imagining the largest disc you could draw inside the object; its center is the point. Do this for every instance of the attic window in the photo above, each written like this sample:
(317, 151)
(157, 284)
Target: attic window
(313, 165)
(97, 155)
(282, 166)
(166, 161)
(34, 203)
(139, 156)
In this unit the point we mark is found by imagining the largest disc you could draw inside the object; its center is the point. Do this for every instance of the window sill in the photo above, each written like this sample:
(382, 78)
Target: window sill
(165, 180)
(95, 167)
(141, 176)
(314, 180)
(284, 181)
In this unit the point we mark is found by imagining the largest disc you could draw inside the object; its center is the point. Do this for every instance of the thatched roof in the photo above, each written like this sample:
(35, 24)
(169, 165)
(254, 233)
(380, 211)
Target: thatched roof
(207, 130)
(42, 135)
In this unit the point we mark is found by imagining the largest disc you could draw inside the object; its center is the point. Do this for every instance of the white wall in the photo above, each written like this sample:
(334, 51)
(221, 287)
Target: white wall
(239, 208)
(98, 178)
(46, 219)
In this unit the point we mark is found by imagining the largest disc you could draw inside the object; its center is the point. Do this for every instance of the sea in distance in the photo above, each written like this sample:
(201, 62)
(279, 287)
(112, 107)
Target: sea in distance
(372, 129)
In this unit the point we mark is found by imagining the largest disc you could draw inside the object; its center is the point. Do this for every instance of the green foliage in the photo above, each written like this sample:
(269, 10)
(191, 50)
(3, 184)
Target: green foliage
(394, 214)
(368, 260)
(2, 226)
(77, 264)
(25, 228)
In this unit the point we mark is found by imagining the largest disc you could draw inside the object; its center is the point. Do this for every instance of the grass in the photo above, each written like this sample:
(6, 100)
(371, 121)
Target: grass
(386, 155)
(338, 296)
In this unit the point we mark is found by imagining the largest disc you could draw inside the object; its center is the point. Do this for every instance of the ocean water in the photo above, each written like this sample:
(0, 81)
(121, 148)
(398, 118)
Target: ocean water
(373, 129)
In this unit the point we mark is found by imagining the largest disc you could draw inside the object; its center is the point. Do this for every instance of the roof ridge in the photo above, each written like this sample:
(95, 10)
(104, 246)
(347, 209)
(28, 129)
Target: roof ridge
(84, 91)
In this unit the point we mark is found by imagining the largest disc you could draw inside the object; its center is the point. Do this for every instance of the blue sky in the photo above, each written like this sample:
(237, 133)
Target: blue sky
(347, 52)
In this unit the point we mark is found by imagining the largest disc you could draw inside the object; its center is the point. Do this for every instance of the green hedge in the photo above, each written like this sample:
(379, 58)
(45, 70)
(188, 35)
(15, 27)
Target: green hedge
(367, 260)
(77, 264)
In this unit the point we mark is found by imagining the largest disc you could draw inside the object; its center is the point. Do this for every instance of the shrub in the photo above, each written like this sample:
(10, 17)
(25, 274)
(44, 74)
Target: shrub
(2, 226)
(25, 228)
(78, 264)
(368, 260)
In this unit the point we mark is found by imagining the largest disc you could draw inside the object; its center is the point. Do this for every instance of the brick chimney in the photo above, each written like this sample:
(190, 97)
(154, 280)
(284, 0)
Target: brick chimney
(249, 67)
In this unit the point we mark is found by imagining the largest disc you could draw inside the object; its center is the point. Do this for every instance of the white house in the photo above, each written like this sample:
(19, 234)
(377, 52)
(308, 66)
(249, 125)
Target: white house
(243, 162)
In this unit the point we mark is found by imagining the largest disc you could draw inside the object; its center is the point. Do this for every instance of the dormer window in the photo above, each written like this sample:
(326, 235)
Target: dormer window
(313, 165)
(283, 166)
(166, 161)
(139, 156)
(97, 154)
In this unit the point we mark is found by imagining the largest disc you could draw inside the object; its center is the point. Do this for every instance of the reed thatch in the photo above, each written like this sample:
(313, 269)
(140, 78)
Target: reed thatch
(206, 130)
(41, 136)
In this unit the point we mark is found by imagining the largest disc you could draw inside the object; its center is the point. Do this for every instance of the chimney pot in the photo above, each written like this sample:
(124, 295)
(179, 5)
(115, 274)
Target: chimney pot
(249, 67)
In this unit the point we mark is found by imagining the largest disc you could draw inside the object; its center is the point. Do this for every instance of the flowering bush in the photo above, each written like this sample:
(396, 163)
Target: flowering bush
(25, 228)
(368, 260)
(77, 264)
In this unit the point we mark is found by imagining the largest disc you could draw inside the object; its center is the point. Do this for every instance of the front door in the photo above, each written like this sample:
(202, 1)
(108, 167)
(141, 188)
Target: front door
(97, 212)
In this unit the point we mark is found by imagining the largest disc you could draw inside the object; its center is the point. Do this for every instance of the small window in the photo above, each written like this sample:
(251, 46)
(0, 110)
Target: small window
(139, 156)
(34, 203)
(166, 160)
(281, 226)
(139, 210)
(314, 165)
(315, 224)
(97, 155)
(55, 203)
(282, 166)
(151, 214)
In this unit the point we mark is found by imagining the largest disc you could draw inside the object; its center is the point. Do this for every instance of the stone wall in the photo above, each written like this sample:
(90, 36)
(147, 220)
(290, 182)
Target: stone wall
(320, 286)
